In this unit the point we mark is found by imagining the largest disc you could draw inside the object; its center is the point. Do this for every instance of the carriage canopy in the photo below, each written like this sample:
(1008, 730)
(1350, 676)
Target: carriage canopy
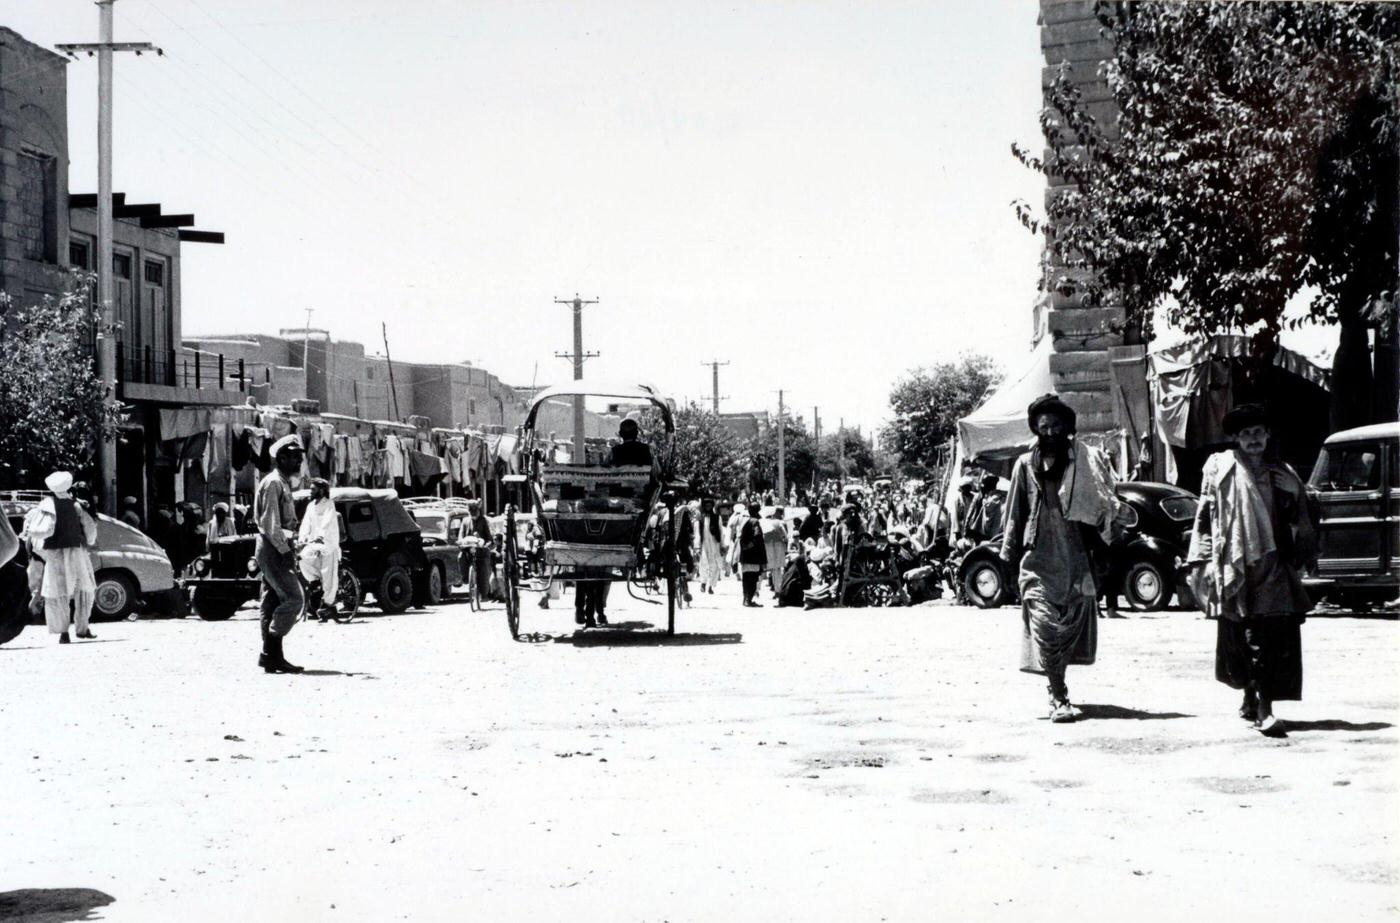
(625, 391)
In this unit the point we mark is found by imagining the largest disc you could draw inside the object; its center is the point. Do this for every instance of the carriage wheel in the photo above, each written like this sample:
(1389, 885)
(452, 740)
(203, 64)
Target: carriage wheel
(875, 593)
(510, 574)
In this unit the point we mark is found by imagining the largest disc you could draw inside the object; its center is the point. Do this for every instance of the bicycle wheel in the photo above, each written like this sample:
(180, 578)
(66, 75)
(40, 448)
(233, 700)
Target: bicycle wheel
(473, 594)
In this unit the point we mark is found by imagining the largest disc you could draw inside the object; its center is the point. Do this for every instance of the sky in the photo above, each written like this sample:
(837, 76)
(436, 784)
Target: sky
(816, 192)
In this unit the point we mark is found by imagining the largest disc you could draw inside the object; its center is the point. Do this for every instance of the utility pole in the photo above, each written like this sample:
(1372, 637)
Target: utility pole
(578, 355)
(817, 441)
(782, 454)
(714, 381)
(841, 454)
(306, 356)
(394, 391)
(107, 333)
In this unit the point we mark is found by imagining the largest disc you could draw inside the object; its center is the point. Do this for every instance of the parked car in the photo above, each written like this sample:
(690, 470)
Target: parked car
(1144, 560)
(1355, 490)
(130, 568)
(445, 524)
(380, 543)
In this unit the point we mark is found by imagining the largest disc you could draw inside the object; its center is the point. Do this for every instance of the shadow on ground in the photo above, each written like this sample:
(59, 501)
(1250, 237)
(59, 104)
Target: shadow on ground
(1097, 712)
(52, 905)
(614, 637)
(1335, 724)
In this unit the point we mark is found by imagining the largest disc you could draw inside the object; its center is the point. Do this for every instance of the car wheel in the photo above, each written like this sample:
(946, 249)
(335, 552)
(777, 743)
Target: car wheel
(1147, 586)
(395, 591)
(436, 585)
(115, 596)
(213, 606)
(985, 585)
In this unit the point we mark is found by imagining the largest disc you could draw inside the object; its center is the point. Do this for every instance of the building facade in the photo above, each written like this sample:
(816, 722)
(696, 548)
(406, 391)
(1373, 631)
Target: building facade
(48, 233)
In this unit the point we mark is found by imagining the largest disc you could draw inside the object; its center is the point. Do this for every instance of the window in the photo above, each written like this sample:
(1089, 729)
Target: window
(121, 265)
(1347, 467)
(154, 273)
(37, 198)
(79, 254)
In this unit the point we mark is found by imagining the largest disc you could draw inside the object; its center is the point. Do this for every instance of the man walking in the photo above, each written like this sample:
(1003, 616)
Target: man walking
(320, 540)
(276, 519)
(62, 532)
(1060, 511)
(753, 556)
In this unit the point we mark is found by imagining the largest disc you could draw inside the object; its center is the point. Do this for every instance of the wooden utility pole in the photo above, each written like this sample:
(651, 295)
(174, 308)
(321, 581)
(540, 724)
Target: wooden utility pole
(393, 390)
(107, 332)
(817, 441)
(782, 454)
(714, 365)
(306, 357)
(578, 356)
(841, 453)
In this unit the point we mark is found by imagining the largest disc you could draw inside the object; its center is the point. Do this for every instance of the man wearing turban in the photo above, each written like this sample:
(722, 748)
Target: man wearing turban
(61, 532)
(1060, 511)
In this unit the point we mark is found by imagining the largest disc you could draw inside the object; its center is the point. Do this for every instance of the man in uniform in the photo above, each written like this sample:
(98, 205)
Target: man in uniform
(276, 519)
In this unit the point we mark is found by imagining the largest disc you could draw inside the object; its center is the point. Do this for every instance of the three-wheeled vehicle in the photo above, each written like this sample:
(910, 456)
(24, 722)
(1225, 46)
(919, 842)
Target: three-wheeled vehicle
(592, 517)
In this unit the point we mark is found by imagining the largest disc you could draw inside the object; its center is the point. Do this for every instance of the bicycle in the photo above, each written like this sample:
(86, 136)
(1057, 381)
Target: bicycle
(348, 595)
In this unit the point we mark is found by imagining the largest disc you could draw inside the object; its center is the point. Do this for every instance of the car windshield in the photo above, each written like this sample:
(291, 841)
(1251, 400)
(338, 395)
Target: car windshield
(1347, 467)
(433, 525)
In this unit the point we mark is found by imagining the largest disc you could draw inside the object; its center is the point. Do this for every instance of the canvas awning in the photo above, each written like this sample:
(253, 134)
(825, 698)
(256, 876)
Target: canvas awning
(996, 431)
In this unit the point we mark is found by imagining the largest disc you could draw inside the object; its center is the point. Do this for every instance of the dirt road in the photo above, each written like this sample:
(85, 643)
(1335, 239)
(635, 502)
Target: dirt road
(768, 765)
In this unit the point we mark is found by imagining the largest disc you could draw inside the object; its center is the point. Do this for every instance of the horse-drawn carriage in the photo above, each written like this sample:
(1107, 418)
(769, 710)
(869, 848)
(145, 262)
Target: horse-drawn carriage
(593, 517)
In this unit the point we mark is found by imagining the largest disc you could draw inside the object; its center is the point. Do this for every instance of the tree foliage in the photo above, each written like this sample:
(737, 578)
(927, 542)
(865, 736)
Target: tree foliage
(706, 453)
(1253, 153)
(799, 455)
(52, 413)
(850, 446)
(927, 403)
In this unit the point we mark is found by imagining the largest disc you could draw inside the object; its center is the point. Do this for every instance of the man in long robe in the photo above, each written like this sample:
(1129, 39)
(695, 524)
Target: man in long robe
(1253, 535)
(319, 535)
(1059, 519)
(276, 517)
(710, 537)
(61, 533)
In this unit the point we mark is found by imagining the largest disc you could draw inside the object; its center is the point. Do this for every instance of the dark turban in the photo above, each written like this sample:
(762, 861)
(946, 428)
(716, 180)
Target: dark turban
(1050, 403)
(1242, 417)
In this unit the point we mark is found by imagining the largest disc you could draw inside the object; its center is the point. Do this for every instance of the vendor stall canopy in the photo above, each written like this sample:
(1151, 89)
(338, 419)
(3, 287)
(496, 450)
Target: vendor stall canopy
(618, 390)
(995, 433)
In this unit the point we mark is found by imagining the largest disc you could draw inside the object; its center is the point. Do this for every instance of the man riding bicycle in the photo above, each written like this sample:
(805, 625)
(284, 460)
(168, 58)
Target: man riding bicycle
(319, 538)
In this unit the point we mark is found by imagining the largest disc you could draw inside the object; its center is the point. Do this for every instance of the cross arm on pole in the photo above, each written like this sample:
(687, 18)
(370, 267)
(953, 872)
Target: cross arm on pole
(73, 49)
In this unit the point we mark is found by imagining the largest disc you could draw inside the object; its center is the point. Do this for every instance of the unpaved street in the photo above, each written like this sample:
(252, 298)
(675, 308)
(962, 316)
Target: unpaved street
(767, 765)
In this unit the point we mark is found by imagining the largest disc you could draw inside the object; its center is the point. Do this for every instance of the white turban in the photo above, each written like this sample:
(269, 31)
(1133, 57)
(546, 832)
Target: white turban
(60, 482)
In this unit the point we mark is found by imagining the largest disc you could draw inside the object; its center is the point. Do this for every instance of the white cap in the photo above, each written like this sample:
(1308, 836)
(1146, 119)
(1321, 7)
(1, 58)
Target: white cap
(287, 442)
(59, 482)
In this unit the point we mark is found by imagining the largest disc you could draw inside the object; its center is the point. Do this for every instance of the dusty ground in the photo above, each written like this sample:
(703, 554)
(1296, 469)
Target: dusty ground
(770, 765)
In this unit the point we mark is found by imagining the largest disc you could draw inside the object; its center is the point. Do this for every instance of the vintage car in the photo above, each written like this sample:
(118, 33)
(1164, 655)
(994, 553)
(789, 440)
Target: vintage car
(380, 543)
(1143, 561)
(1355, 491)
(131, 569)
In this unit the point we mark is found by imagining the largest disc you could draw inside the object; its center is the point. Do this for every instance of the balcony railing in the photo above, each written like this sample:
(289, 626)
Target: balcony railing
(201, 371)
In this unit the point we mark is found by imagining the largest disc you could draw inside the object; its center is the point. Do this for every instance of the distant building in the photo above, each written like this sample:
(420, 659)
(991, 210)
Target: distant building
(746, 425)
(345, 380)
(46, 233)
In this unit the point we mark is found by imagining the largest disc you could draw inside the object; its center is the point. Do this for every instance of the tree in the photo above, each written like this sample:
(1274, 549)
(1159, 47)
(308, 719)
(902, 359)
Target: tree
(927, 403)
(52, 411)
(858, 455)
(706, 454)
(799, 455)
(1254, 153)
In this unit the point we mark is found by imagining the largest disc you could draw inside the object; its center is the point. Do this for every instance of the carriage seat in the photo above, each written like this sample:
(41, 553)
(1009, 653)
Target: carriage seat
(593, 505)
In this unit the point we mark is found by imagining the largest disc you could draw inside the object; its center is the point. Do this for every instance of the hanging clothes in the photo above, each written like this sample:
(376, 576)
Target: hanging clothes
(396, 458)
